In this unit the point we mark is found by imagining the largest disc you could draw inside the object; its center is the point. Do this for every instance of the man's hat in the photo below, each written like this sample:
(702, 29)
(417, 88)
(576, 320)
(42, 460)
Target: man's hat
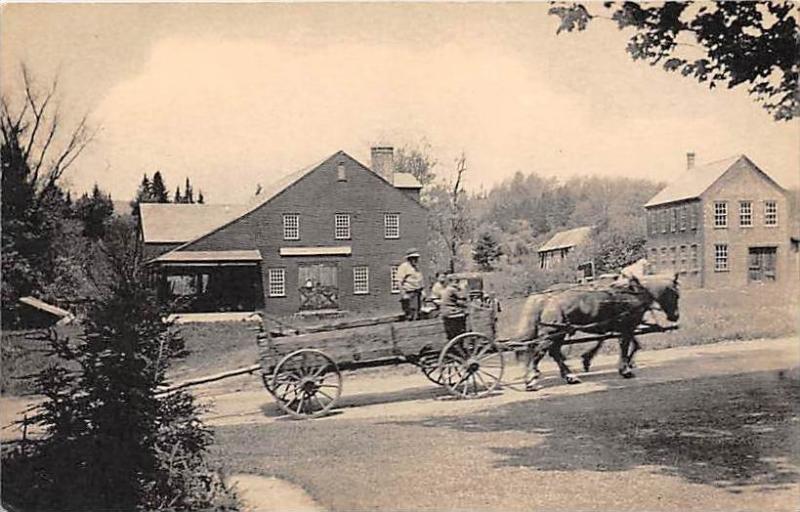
(412, 253)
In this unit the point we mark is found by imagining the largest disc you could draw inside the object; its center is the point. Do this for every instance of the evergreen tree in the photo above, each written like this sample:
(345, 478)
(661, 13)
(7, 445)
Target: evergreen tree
(178, 198)
(159, 189)
(188, 192)
(111, 442)
(143, 195)
(94, 212)
(200, 198)
(486, 251)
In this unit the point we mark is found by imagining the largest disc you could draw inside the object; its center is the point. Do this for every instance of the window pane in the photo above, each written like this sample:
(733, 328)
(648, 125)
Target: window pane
(720, 214)
(277, 282)
(771, 213)
(291, 226)
(360, 280)
(393, 277)
(342, 226)
(721, 257)
(391, 224)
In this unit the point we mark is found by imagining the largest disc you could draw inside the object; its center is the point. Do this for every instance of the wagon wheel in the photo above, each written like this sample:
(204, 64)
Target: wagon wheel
(428, 362)
(472, 365)
(306, 383)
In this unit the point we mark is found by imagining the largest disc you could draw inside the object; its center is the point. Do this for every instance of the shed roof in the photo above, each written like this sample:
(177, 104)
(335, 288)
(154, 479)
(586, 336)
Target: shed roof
(405, 180)
(210, 256)
(566, 239)
(692, 183)
(177, 223)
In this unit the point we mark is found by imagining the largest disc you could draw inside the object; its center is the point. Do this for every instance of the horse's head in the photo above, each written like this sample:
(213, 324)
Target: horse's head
(665, 291)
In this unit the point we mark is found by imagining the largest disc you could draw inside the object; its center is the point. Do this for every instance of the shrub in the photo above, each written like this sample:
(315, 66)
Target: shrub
(111, 442)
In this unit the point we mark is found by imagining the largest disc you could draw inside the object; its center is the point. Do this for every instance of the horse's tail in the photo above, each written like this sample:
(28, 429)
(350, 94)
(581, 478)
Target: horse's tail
(528, 326)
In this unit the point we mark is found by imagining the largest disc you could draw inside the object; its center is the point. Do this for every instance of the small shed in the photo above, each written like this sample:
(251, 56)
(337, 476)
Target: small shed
(556, 249)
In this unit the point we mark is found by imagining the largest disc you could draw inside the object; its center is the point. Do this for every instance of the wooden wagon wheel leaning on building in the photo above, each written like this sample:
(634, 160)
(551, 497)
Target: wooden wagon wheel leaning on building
(306, 383)
(472, 365)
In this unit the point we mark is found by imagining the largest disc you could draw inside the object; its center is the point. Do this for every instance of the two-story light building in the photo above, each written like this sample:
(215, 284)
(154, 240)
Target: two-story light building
(723, 224)
(328, 237)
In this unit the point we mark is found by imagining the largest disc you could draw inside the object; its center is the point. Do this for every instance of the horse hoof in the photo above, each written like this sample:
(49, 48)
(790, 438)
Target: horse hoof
(627, 374)
(533, 386)
(572, 379)
(587, 363)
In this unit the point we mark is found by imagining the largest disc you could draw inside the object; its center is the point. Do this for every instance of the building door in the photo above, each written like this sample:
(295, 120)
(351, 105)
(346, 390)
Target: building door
(761, 264)
(319, 286)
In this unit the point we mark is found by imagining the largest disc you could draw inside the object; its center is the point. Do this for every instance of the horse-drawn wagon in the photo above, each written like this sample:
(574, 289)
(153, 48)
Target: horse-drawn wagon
(303, 371)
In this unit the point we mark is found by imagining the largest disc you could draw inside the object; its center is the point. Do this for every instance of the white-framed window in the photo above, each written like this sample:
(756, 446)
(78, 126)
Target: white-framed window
(684, 215)
(720, 257)
(673, 258)
(683, 258)
(720, 214)
(291, 226)
(341, 173)
(360, 280)
(393, 278)
(391, 225)
(341, 226)
(694, 262)
(673, 219)
(664, 258)
(745, 214)
(770, 213)
(693, 209)
(277, 282)
(664, 220)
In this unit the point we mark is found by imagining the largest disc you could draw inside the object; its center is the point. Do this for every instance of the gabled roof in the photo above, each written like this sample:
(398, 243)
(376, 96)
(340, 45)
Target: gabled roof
(177, 223)
(567, 239)
(268, 193)
(405, 180)
(692, 183)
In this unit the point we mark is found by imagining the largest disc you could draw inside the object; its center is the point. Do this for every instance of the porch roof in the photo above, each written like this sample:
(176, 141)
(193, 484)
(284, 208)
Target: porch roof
(209, 257)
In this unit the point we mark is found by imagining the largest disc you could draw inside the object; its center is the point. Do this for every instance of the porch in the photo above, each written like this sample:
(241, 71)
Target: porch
(210, 281)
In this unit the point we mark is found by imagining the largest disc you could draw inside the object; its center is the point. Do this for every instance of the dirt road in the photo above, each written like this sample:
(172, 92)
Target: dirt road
(711, 427)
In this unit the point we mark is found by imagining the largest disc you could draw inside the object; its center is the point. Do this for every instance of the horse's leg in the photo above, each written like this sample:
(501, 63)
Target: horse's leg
(561, 361)
(588, 356)
(532, 373)
(625, 355)
(635, 347)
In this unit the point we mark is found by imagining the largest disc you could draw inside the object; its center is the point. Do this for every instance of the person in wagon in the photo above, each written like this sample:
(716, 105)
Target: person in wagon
(410, 280)
(454, 308)
(437, 290)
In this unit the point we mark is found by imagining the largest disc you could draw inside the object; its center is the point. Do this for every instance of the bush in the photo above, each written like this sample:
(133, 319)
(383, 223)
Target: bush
(111, 442)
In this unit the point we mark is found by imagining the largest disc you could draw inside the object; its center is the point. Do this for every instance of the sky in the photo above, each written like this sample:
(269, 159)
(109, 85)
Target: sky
(233, 95)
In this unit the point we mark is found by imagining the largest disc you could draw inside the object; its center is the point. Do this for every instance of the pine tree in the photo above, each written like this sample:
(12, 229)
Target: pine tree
(94, 212)
(143, 195)
(200, 198)
(188, 192)
(178, 198)
(159, 189)
(110, 441)
(486, 251)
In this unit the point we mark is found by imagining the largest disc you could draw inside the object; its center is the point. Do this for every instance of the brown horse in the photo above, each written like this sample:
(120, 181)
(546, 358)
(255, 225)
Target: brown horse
(616, 308)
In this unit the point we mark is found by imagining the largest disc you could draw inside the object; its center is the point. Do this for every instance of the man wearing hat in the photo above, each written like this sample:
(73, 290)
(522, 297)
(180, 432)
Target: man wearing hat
(409, 278)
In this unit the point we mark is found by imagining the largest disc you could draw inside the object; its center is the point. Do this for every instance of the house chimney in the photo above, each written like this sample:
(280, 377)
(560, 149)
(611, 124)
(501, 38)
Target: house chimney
(690, 161)
(383, 162)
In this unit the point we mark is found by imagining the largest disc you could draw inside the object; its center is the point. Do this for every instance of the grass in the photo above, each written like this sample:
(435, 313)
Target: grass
(707, 316)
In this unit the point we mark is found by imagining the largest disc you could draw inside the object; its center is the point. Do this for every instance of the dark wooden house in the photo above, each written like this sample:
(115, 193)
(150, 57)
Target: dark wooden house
(328, 237)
